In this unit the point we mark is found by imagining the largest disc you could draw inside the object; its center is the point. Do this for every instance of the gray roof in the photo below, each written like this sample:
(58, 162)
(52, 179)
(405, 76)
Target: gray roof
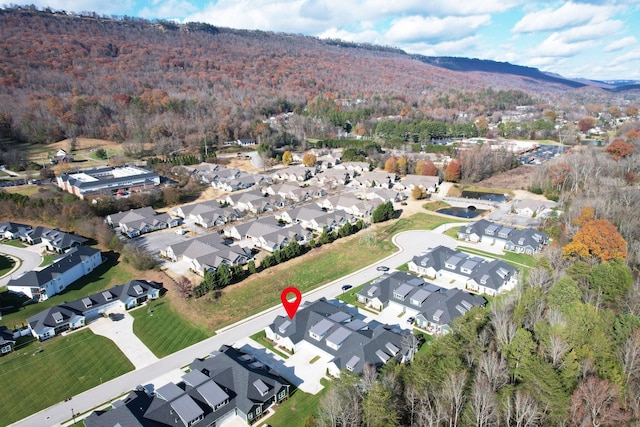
(39, 278)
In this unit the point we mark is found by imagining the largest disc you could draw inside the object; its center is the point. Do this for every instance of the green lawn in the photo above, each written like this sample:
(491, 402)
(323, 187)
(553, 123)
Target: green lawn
(517, 260)
(6, 264)
(435, 205)
(452, 232)
(261, 338)
(163, 330)
(66, 366)
(108, 274)
(427, 340)
(296, 409)
(47, 260)
(15, 242)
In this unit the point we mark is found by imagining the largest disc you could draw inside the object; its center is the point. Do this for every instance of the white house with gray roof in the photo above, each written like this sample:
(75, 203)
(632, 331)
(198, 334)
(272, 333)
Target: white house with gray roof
(135, 222)
(527, 240)
(412, 295)
(55, 278)
(206, 253)
(225, 384)
(75, 314)
(334, 330)
(479, 275)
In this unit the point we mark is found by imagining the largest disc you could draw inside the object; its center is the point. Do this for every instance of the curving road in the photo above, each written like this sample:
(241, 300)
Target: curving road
(410, 243)
(29, 256)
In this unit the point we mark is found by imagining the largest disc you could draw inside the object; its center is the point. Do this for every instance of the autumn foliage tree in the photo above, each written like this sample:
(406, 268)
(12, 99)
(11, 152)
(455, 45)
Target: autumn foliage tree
(586, 123)
(597, 238)
(287, 158)
(429, 169)
(452, 172)
(309, 159)
(391, 165)
(619, 149)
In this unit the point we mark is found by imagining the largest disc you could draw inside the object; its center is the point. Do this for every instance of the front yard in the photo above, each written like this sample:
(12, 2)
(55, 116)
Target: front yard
(38, 375)
(108, 274)
(295, 410)
(163, 330)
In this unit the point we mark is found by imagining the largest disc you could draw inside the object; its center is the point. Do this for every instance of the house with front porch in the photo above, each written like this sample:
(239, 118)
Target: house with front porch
(334, 330)
(75, 314)
(7, 340)
(55, 278)
(479, 275)
(216, 388)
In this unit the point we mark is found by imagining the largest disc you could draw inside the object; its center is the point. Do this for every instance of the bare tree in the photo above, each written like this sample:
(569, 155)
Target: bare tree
(369, 377)
(453, 389)
(556, 350)
(329, 409)
(503, 323)
(521, 410)
(483, 403)
(493, 367)
(595, 403)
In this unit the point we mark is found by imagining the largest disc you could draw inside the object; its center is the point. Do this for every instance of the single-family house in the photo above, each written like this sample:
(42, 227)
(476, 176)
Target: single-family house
(334, 330)
(418, 299)
(534, 208)
(425, 182)
(477, 274)
(54, 239)
(140, 221)
(228, 383)
(53, 279)
(7, 340)
(13, 230)
(75, 314)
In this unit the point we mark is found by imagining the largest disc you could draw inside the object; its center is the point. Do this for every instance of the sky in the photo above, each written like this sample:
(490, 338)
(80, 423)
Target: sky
(595, 39)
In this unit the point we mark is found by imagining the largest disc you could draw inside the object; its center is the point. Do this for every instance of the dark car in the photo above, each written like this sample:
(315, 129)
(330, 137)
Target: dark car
(346, 288)
(410, 320)
(382, 268)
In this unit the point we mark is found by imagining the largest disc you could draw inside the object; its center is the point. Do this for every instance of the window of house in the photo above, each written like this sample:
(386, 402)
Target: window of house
(5, 349)
(258, 410)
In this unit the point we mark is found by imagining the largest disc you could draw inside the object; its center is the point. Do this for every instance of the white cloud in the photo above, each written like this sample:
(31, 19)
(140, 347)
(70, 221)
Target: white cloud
(568, 15)
(167, 9)
(631, 56)
(556, 46)
(463, 47)
(436, 30)
(591, 31)
(620, 44)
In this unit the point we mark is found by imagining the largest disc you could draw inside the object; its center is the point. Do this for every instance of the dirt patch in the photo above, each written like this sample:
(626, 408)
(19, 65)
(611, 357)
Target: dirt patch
(514, 179)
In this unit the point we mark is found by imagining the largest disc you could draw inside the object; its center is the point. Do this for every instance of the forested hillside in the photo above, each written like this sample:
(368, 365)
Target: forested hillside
(132, 80)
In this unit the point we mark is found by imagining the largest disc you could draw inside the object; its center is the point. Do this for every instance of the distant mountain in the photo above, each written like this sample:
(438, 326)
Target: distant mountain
(488, 66)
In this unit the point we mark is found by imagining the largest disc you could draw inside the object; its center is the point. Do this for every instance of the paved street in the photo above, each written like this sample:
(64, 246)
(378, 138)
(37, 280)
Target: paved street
(30, 257)
(410, 243)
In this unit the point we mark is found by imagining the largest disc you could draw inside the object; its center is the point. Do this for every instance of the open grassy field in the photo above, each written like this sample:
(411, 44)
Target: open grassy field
(163, 330)
(65, 366)
(318, 267)
(296, 409)
(110, 273)
(25, 190)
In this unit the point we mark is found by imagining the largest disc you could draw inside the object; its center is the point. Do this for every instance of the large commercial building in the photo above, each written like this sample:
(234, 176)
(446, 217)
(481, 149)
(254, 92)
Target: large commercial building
(109, 180)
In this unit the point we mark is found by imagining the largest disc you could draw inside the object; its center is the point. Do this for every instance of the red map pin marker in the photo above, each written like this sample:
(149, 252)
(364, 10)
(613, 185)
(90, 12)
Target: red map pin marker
(291, 306)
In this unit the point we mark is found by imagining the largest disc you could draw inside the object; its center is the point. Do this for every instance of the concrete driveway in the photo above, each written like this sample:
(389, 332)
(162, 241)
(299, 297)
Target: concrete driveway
(120, 331)
(30, 258)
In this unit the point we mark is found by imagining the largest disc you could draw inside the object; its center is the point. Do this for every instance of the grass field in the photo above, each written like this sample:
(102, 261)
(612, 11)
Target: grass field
(296, 409)
(517, 260)
(435, 205)
(6, 264)
(25, 190)
(66, 366)
(47, 260)
(163, 330)
(261, 338)
(318, 267)
(108, 274)
(15, 242)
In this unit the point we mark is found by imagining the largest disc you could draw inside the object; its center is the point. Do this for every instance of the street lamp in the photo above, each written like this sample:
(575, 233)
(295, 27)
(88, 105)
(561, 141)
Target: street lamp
(73, 415)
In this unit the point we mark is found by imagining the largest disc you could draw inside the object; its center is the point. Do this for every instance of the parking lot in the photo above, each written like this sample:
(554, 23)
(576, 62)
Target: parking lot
(543, 154)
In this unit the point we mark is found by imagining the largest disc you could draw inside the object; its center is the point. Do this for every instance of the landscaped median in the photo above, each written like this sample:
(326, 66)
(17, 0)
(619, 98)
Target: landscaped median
(38, 375)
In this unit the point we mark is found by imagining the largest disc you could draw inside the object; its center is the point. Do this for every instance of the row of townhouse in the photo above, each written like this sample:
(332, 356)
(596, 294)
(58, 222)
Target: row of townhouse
(227, 383)
(55, 278)
(13, 230)
(207, 253)
(313, 217)
(339, 332)
(208, 214)
(433, 307)
(268, 234)
(76, 314)
(479, 275)
(53, 239)
(527, 240)
(135, 222)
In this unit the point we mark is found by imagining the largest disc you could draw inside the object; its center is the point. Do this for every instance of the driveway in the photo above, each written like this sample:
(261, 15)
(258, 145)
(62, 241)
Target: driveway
(120, 331)
(30, 258)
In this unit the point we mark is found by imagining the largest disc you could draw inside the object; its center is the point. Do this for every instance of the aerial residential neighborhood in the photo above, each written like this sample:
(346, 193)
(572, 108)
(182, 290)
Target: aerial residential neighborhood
(301, 215)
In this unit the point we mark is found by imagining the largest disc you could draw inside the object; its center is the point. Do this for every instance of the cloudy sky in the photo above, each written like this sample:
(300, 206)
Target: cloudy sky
(597, 39)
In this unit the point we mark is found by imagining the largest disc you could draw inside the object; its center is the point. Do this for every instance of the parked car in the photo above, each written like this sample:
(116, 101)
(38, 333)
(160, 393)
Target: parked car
(382, 268)
(346, 288)
(410, 320)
